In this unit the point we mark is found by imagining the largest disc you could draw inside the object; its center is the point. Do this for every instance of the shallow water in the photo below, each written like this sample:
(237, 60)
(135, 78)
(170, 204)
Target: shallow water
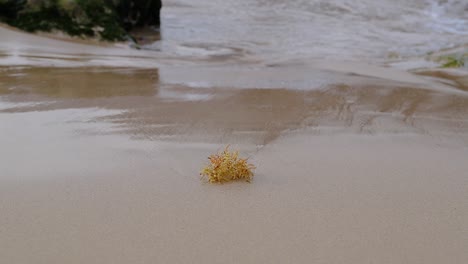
(138, 103)
(271, 30)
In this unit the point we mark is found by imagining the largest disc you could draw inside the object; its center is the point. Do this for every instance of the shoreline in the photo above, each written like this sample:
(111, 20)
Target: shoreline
(210, 73)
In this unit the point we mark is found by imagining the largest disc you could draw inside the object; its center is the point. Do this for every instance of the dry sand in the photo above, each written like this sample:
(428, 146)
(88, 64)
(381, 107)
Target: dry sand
(100, 165)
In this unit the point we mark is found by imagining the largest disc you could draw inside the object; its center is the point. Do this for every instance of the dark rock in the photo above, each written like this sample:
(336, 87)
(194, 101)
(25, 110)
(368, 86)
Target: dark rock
(139, 13)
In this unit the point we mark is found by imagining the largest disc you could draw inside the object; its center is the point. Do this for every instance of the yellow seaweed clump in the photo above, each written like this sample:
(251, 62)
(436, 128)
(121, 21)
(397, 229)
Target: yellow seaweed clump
(227, 166)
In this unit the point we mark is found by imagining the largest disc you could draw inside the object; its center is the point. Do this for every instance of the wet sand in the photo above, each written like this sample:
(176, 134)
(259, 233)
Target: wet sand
(100, 165)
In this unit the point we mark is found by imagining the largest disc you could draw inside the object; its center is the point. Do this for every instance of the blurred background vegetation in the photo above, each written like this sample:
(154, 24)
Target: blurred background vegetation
(105, 19)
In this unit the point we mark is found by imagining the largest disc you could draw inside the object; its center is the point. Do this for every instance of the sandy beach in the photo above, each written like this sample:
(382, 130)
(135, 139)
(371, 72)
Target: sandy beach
(101, 149)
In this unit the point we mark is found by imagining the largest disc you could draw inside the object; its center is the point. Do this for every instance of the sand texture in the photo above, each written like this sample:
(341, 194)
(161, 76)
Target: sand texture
(99, 164)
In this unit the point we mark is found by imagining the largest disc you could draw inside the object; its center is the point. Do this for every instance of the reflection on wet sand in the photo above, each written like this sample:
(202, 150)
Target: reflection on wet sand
(460, 80)
(78, 83)
(152, 110)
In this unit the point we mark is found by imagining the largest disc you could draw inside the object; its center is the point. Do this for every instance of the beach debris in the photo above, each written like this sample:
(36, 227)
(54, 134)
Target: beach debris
(227, 166)
(455, 61)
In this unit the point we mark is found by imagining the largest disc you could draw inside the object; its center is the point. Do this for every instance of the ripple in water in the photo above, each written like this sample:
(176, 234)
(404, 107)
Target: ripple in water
(276, 30)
